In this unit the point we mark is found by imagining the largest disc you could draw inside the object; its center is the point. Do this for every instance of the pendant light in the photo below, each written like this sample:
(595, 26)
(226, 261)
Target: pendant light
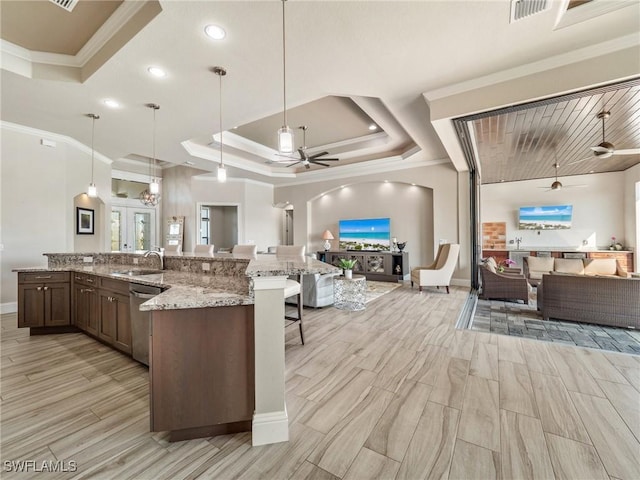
(222, 172)
(92, 191)
(285, 134)
(150, 196)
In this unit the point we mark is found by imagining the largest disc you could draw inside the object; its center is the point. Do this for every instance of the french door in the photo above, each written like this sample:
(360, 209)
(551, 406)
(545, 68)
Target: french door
(132, 228)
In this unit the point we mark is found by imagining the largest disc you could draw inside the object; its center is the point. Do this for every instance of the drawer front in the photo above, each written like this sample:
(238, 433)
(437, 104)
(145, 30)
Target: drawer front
(85, 279)
(43, 277)
(118, 286)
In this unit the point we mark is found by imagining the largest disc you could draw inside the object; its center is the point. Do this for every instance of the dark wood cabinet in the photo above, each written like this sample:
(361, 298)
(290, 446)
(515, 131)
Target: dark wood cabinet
(44, 299)
(86, 315)
(382, 266)
(115, 319)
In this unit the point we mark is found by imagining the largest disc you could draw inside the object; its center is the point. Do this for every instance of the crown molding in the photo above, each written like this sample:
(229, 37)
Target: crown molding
(550, 63)
(34, 132)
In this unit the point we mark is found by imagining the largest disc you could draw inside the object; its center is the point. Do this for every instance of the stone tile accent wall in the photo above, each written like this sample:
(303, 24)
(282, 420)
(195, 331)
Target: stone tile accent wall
(494, 235)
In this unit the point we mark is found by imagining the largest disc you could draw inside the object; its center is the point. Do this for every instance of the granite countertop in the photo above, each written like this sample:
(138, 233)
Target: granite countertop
(198, 290)
(277, 265)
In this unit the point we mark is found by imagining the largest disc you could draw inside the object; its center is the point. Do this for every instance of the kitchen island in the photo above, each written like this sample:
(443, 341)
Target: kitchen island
(217, 339)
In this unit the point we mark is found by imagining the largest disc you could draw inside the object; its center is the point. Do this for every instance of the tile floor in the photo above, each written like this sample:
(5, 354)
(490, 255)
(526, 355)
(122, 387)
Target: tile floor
(520, 320)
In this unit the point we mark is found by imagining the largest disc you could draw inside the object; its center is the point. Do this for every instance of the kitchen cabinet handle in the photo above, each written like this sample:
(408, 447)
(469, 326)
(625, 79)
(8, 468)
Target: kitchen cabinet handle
(46, 288)
(90, 280)
(78, 278)
(38, 288)
(87, 290)
(42, 277)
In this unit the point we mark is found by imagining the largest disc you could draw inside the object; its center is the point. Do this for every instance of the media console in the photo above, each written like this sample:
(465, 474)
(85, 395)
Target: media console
(382, 266)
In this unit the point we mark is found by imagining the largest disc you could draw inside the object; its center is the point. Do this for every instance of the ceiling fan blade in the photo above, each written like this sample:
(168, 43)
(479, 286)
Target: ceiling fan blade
(294, 163)
(318, 155)
(575, 186)
(329, 159)
(320, 163)
(627, 151)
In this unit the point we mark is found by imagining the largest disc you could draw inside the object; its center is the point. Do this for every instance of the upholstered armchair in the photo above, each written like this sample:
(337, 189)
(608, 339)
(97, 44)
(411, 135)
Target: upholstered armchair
(508, 286)
(439, 273)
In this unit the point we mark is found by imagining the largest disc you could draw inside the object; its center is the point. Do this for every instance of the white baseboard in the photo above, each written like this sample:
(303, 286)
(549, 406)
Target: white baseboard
(272, 427)
(461, 282)
(9, 307)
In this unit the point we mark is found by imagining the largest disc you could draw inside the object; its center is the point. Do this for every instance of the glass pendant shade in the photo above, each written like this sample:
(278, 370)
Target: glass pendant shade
(154, 187)
(222, 173)
(92, 190)
(285, 140)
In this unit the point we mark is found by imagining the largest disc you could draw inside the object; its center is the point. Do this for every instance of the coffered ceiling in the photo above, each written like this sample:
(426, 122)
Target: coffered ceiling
(349, 65)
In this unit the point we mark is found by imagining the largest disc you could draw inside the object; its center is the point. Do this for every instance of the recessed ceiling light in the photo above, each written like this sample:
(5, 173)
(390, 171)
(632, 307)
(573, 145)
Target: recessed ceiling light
(373, 126)
(591, 171)
(215, 32)
(157, 72)
(413, 184)
(111, 103)
(386, 181)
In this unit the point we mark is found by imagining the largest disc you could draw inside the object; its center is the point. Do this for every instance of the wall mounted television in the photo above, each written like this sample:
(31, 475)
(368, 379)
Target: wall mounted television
(550, 217)
(372, 234)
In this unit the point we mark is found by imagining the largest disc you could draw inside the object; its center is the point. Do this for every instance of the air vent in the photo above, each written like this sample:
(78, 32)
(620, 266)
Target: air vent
(525, 8)
(68, 5)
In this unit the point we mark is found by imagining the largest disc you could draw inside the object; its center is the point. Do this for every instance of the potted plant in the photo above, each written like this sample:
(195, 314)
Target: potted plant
(347, 265)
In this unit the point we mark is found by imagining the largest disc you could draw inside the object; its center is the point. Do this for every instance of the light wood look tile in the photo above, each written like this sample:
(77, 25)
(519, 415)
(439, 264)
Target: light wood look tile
(337, 403)
(516, 393)
(557, 413)
(341, 445)
(626, 400)
(449, 386)
(431, 448)
(462, 346)
(308, 471)
(538, 357)
(632, 374)
(394, 430)
(471, 461)
(523, 447)
(484, 361)
(480, 419)
(573, 372)
(574, 460)
(428, 365)
(599, 366)
(510, 349)
(618, 448)
(69, 397)
(369, 464)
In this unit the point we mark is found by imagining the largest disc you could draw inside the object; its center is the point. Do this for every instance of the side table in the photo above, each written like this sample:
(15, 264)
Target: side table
(350, 294)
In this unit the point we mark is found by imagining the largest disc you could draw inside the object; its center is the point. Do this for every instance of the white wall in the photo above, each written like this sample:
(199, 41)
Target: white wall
(39, 186)
(599, 209)
(448, 212)
(409, 207)
(258, 220)
(632, 210)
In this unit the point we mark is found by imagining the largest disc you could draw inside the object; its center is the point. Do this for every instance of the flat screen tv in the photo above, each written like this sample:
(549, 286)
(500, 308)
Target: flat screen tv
(371, 234)
(551, 217)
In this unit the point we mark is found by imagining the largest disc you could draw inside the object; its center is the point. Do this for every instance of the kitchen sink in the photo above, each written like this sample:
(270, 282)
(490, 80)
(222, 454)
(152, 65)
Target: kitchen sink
(135, 272)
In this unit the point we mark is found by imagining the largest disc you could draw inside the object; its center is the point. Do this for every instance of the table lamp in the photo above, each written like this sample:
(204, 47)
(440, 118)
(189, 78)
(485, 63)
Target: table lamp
(327, 236)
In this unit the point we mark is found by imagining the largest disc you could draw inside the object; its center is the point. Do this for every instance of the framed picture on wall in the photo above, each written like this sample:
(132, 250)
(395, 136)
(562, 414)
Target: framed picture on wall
(84, 221)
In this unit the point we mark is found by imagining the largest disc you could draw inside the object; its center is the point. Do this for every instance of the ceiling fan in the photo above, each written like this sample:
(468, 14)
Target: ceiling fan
(308, 160)
(557, 185)
(606, 149)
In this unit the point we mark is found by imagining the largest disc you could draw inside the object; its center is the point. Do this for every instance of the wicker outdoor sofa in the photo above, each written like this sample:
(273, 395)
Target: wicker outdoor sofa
(611, 301)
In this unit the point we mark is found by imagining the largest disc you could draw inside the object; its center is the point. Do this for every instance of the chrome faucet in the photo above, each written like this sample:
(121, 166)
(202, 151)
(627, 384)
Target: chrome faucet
(160, 255)
(518, 240)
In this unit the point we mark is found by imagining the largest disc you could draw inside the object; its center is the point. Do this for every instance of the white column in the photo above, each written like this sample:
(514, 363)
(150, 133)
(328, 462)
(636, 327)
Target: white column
(270, 420)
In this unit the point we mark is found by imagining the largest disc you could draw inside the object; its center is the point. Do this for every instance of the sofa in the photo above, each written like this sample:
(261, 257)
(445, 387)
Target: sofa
(603, 300)
(536, 267)
(317, 290)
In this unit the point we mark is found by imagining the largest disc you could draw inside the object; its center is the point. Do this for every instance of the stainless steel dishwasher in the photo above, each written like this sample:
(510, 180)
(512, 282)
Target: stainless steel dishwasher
(138, 294)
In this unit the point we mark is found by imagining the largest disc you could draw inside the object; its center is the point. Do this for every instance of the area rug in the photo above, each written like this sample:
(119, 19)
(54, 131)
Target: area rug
(378, 289)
